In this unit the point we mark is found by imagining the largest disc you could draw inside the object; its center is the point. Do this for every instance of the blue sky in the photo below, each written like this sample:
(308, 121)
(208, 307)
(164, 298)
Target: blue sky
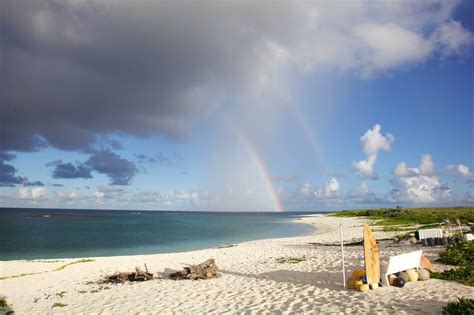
(295, 107)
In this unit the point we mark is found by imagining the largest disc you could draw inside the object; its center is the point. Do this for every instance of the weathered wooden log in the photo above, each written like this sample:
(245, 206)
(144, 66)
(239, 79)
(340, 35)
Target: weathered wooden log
(121, 277)
(205, 270)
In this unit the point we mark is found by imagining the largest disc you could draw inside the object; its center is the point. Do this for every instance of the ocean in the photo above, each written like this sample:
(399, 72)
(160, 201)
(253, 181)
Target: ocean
(56, 233)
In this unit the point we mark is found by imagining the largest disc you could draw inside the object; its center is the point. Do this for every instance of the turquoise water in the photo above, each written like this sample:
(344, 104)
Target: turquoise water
(53, 233)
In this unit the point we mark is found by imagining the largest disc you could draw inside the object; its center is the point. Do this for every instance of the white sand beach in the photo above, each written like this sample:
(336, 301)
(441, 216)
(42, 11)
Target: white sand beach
(252, 280)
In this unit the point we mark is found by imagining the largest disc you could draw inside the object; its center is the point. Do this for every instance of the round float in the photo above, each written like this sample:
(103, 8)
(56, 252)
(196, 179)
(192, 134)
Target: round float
(364, 288)
(399, 282)
(423, 274)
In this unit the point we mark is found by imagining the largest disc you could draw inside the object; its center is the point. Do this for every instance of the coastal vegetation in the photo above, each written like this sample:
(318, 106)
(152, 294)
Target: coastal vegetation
(73, 263)
(57, 269)
(460, 307)
(290, 260)
(426, 217)
(461, 255)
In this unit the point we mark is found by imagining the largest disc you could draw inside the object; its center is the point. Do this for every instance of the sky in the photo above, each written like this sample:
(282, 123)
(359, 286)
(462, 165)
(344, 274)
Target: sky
(236, 105)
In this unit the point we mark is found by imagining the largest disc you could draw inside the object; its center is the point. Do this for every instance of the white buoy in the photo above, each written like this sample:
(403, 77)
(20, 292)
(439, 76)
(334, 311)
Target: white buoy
(374, 286)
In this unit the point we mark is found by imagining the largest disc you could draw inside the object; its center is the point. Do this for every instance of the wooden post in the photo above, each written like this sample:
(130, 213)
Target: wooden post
(342, 253)
(460, 226)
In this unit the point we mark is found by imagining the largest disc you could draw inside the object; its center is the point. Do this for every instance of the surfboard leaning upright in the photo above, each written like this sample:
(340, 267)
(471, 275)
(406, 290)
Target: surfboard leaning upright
(371, 256)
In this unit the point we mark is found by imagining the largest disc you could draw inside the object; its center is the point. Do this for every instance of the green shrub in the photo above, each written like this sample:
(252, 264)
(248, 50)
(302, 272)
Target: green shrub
(458, 254)
(463, 274)
(460, 307)
(291, 260)
(396, 216)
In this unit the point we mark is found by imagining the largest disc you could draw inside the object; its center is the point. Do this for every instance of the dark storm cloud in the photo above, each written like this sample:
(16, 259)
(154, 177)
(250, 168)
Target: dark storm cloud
(7, 175)
(37, 183)
(120, 171)
(69, 170)
(158, 158)
(8, 172)
(73, 71)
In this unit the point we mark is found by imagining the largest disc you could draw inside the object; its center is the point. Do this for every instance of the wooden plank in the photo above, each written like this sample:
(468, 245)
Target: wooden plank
(371, 256)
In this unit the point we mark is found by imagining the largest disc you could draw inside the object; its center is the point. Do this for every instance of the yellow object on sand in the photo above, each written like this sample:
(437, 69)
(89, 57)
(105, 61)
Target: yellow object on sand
(371, 256)
(358, 283)
(412, 275)
(364, 288)
(357, 273)
(351, 283)
(391, 278)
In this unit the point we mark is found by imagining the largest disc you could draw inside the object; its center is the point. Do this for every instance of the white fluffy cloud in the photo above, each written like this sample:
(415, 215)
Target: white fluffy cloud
(187, 196)
(390, 45)
(418, 184)
(372, 142)
(452, 38)
(460, 169)
(33, 193)
(306, 188)
(330, 190)
(110, 192)
(361, 190)
(357, 36)
(69, 196)
(427, 166)
(402, 170)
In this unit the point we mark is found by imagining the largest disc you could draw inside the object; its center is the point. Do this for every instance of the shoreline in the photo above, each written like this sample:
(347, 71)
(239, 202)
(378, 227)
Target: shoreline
(253, 280)
(295, 220)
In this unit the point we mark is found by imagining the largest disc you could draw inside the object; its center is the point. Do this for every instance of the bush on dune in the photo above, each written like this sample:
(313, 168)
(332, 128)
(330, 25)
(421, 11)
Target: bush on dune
(399, 215)
(459, 254)
(459, 307)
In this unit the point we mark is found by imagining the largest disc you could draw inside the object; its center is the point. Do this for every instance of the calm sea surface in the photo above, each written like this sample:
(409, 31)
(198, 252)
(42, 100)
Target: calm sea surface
(54, 233)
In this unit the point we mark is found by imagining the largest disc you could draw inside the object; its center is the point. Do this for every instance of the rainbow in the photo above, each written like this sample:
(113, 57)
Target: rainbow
(295, 110)
(259, 163)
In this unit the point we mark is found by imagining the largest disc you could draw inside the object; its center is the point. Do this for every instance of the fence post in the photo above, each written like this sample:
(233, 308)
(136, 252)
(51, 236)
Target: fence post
(342, 253)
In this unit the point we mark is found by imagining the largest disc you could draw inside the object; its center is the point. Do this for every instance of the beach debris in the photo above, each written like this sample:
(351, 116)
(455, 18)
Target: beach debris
(423, 274)
(391, 278)
(399, 282)
(412, 275)
(358, 272)
(58, 305)
(404, 276)
(205, 270)
(351, 283)
(226, 246)
(364, 287)
(425, 263)
(122, 277)
(355, 243)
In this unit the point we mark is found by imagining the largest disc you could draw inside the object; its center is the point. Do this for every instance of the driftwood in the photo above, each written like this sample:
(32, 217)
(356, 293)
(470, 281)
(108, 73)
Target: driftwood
(358, 243)
(121, 277)
(205, 270)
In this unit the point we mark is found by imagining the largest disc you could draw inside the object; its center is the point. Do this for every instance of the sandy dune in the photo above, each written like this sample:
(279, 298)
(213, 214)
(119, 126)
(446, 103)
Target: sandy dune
(252, 281)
